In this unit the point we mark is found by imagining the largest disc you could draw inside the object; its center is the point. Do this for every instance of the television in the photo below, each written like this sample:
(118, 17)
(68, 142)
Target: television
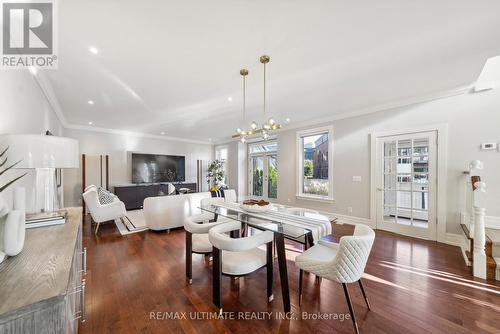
(155, 168)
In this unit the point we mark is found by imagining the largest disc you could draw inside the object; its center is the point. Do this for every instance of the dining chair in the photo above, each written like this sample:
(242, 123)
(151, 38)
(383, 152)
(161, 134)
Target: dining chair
(343, 262)
(236, 257)
(196, 228)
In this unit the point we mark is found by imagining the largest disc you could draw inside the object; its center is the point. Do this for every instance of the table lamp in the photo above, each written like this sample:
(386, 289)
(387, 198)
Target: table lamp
(43, 153)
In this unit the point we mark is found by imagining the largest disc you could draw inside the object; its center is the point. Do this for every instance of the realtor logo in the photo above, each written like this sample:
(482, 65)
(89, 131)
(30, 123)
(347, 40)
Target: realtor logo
(28, 35)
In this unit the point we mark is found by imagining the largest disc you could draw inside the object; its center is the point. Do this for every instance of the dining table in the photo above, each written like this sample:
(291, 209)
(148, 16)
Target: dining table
(304, 226)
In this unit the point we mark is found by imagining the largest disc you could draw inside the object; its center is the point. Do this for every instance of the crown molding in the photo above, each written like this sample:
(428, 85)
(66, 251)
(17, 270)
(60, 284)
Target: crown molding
(135, 134)
(47, 91)
(460, 90)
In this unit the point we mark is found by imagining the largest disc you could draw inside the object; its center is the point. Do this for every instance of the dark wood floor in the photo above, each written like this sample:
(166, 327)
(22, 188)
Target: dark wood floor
(414, 286)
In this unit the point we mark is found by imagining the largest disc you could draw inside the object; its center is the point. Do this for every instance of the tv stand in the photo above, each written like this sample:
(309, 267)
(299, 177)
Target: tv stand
(133, 195)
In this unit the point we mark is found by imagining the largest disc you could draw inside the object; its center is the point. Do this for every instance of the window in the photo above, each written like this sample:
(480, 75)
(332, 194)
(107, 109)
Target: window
(221, 154)
(263, 169)
(315, 161)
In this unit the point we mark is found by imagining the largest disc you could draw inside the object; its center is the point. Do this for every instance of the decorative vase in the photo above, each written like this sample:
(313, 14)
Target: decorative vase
(12, 225)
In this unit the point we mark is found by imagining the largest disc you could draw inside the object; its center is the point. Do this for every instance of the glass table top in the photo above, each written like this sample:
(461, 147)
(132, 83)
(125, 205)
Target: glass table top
(278, 220)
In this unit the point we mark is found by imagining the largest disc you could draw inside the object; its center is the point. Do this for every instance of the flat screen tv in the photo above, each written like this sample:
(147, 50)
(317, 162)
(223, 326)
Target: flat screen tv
(153, 168)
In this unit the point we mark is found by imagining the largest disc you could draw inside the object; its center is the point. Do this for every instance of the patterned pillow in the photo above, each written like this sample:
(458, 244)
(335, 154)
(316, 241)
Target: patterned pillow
(105, 197)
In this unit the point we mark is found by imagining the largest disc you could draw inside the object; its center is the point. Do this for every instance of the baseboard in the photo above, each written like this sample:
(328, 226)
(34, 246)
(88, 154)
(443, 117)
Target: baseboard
(459, 240)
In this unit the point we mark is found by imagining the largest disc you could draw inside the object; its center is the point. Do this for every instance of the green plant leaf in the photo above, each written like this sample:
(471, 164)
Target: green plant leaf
(11, 166)
(8, 184)
(1, 154)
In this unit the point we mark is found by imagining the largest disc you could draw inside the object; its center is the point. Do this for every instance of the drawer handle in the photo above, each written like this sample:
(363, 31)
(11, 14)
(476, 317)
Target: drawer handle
(84, 255)
(81, 314)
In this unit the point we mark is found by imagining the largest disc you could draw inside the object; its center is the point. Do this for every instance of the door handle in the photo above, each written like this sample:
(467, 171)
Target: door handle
(380, 189)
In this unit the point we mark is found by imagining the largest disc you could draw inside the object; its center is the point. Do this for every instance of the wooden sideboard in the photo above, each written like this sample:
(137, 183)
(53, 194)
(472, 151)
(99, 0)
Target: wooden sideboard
(42, 290)
(133, 195)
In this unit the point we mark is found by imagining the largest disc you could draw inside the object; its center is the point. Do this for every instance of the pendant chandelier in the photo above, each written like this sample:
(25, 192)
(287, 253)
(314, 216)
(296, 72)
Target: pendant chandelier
(255, 130)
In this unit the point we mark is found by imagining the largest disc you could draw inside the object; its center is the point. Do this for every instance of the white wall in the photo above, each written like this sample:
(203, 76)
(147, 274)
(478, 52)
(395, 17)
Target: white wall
(24, 109)
(119, 148)
(472, 119)
(237, 167)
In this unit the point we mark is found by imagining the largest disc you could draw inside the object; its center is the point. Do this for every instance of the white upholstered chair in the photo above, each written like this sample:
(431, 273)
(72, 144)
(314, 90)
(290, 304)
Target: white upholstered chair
(197, 227)
(230, 195)
(239, 256)
(343, 262)
(101, 213)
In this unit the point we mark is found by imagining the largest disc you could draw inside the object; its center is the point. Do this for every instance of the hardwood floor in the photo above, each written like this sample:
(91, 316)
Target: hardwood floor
(414, 286)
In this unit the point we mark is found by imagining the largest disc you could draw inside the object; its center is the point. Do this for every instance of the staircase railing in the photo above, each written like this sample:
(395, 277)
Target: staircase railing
(479, 254)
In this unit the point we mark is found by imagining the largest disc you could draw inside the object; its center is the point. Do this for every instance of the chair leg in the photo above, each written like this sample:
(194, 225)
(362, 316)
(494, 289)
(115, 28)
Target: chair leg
(216, 278)
(269, 269)
(189, 257)
(97, 228)
(364, 293)
(301, 274)
(351, 310)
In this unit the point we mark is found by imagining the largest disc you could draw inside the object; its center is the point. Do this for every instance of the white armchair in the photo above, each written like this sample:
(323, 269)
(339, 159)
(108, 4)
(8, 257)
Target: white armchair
(197, 227)
(102, 212)
(239, 256)
(343, 262)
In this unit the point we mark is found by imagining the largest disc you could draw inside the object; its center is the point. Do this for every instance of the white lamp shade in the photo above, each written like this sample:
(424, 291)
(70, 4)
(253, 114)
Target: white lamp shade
(41, 151)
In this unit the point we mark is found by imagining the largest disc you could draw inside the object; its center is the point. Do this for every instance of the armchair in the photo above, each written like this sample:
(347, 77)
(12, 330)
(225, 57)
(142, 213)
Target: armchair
(103, 212)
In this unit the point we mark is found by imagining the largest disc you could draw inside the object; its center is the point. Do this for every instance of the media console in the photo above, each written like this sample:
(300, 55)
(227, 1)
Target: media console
(133, 195)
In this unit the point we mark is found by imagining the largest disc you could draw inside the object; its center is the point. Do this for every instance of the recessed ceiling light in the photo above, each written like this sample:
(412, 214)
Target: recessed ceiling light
(93, 49)
(33, 70)
(90, 102)
(162, 133)
(229, 98)
(90, 123)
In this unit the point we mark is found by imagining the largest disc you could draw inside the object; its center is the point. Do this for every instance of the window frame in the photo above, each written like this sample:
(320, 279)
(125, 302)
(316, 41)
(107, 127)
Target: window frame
(300, 163)
(225, 162)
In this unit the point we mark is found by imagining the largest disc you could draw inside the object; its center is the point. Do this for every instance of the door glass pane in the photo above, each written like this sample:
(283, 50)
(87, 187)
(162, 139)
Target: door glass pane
(272, 182)
(420, 200)
(390, 182)
(390, 149)
(390, 198)
(389, 165)
(421, 146)
(389, 214)
(315, 157)
(257, 176)
(404, 147)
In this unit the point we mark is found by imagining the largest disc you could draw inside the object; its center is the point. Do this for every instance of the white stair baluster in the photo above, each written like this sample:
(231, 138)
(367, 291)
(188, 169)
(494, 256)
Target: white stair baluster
(479, 254)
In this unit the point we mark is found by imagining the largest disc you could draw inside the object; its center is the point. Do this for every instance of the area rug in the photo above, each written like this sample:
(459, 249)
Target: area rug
(135, 223)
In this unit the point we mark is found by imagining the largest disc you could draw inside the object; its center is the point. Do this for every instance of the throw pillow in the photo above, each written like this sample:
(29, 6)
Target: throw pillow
(105, 197)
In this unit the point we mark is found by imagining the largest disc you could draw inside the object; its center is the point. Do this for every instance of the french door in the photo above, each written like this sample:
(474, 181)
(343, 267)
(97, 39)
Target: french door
(406, 184)
(263, 175)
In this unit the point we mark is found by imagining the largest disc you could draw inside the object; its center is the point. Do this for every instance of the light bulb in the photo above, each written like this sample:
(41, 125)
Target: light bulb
(243, 139)
(243, 133)
(238, 130)
(265, 136)
(271, 121)
(250, 132)
(274, 127)
(266, 126)
(254, 125)
(264, 132)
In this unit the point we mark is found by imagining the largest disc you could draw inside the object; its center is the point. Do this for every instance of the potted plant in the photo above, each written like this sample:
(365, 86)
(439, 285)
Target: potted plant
(215, 175)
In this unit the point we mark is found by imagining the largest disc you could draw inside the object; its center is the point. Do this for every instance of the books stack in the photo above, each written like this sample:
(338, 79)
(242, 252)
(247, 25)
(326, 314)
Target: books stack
(45, 219)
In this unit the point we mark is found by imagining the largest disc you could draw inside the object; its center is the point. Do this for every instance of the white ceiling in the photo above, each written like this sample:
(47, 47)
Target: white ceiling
(171, 65)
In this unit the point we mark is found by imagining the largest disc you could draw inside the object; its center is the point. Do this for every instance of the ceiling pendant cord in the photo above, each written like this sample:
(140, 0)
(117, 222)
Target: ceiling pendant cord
(264, 60)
